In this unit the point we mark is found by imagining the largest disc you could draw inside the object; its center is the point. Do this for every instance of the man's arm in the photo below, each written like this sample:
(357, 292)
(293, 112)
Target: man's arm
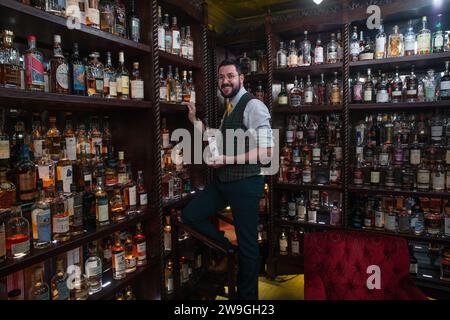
(192, 115)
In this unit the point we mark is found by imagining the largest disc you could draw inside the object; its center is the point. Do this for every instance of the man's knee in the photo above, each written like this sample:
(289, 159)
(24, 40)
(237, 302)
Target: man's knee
(187, 215)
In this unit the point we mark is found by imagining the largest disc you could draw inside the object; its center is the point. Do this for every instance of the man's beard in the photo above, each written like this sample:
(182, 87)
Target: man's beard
(233, 92)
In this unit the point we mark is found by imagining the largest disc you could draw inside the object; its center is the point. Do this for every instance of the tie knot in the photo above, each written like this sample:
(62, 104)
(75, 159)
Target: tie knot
(229, 107)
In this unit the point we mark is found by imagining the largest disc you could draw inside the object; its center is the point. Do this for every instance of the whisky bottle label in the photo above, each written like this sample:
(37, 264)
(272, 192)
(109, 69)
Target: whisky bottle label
(70, 208)
(289, 136)
(176, 42)
(130, 262)
(414, 157)
(125, 85)
(71, 148)
(312, 216)
(283, 245)
(335, 96)
(102, 210)
(283, 100)
(375, 177)
(292, 60)
(167, 241)
(132, 195)
(368, 95)
(445, 85)
(61, 224)
(380, 47)
(384, 159)
(438, 181)
(163, 93)
(436, 131)
(306, 176)
(143, 199)
(354, 48)
(141, 250)
(27, 185)
(118, 85)
(43, 218)
(137, 89)
(44, 173)
(423, 42)
(79, 77)
(99, 86)
(410, 43)
(65, 174)
(308, 96)
(96, 142)
(382, 96)
(4, 149)
(165, 140)
(20, 247)
(34, 69)
(118, 263)
(296, 100)
(135, 29)
(438, 41)
(122, 178)
(318, 55)
(37, 148)
(357, 92)
(93, 268)
(423, 176)
(161, 38)
(62, 76)
(113, 88)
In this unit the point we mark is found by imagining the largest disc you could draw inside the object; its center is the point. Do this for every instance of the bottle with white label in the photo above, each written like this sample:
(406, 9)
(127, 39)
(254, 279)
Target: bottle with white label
(140, 246)
(137, 83)
(410, 40)
(424, 38)
(283, 243)
(17, 234)
(282, 56)
(60, 215)
(176, 37)
(309, 92)
(161, 31)
(318, 52)
(118, 259)
(101, 204)
(93, 269)
(380, 43)
(295, 243)
(41, 220)
(444, 92)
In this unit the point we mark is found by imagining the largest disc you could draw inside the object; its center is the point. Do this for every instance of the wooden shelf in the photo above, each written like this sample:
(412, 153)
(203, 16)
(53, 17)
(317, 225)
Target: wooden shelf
(256, 77)
(314, 70)
(23, 19)
(308, 225)
(173, 108)
(308, 109)
(305, 187)
(363, 107)
(12, 265)
(434, 60)
(35, 100)
(405, 235)
(398, 192)
(109, 291)
(182, 7)
(166, 58)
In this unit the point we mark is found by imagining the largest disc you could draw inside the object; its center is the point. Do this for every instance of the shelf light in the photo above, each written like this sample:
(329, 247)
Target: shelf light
(427, 276)
(106, 284)
(320, 1)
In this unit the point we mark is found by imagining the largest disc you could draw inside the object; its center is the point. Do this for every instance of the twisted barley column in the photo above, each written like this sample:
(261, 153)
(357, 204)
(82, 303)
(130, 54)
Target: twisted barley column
(346, 77)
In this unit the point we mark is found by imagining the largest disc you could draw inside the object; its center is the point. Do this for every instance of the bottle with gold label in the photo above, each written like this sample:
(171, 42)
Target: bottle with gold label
(123, 79)
(424, 38)
(335, 98)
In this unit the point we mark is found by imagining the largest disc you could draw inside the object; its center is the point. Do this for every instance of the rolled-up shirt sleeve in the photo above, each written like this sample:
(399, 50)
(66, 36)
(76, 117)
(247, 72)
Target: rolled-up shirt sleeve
(257, 117)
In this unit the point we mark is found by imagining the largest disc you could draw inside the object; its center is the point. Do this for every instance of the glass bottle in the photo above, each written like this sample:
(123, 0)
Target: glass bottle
(423, 177)
(309, 92)
(295, 95)
(430, 86)
(332, 50)
(130, 258)
(107, 19)
(168, 34)
(92, 14)
(369, 92)
(410, 40)
(396, 48)
(120, 19)
(93, 269)
(318, 52)
(424, 38)
(77, 73)
(134, 24)
(142, 192)
(94, 76)
(444, 85)
(7, 191)
(357, 90)
(380, 43)
(438, 36)
(176, 38)
(283, 243)
(118, 259)
(79, 289)
(109, 79)
(306, 50)
(9, 62)
(117, 206)
(101, 204)
(382, 91)
(282, 96)
(335, 98)
(123, 79)
(41, 220)
(60, 215)
(39, 289)
(367, 53)
(167, 235)
(190, 43)
(438, 177)
(161, 31)
(321, 91)
(412, 87)
(59, 77)
(293, 55)
(26, 174)
(281, 56)
(168, 276)
(17, 234)
(60, 290)
(34, 66)
(140, 246)
(397, 88)
(260, 92)
(137, 83)
(354, 45)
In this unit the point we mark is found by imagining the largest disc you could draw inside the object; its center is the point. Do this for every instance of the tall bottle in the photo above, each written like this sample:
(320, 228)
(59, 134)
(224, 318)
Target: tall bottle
(107, 20)
(101, 204)
(354, 45)
(142, 192)
(161, 31)
(109, 79)
(60, 290)
(444, 92)
(176, 37)
(335, 98)
(134, 24)
(190, 43)
(34, 66)
(123, 79)
(281, 56)
(140, 247)
(59, 78)
(77, 73)
(118, 259)
(9, 62)
(137, 83)
(60, 215)
(424, 38)
(380, 43)
(306, 50)
(94, 76)
(318, 52)
(39, 289)
(369, 92)
(93, 269)
(332, 50)
(321, 91)
(410, 40)
(41, 220)
(26, 175)
(292, 60)
(396, 88)
(120, 18)
(309, 91)
(412, 87)
(396, 44)
(92, 14)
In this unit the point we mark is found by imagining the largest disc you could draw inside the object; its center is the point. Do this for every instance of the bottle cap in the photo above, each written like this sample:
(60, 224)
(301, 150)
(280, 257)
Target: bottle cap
(57, 38)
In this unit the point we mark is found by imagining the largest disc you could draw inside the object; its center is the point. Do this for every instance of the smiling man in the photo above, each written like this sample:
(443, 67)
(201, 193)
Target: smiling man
(238, 181)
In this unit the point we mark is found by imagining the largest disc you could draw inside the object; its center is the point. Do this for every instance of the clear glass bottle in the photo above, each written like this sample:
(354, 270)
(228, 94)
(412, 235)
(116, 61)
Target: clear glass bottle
(396, 44)
(120, 19)
(438, 36)
(60, 290)
(318, 52)
(190, 43)
(93, 269)
(39, 289)
(60, 215)
(412, 87)
(117, 206)
(92, 14)
(176, 37)
(94, 76)
(430, 86)
(79, 289)
(168, 34)
(9, 62)
(424, 38)
(161, 31)
(281, 56)
(397, 88)
(26, 173)
(380, 43)
(137, 83)
(107, 18)
(41, 220)
(354, 45)
(332, 56)
(167, 235)
(335, 98)
(306, 50)
(34, 66)
(283, 243)
(410, 40)
(309, 92)
(134, 24)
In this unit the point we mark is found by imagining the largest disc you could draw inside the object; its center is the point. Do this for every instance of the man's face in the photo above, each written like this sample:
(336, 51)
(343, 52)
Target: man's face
(230, 81)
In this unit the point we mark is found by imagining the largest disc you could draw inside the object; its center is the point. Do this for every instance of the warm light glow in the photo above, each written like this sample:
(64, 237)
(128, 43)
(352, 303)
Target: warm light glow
(317, 1)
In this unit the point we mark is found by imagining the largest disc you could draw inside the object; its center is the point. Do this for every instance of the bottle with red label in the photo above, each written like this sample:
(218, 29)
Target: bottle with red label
(142, 192)
(140, 246)
(34, 67)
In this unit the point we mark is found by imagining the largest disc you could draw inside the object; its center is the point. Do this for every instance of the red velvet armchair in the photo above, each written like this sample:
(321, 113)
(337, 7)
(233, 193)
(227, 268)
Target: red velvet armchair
(336, 267)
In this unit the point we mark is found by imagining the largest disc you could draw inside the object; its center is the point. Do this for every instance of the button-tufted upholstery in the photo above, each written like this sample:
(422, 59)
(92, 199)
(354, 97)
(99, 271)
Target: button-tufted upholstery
(336, 267)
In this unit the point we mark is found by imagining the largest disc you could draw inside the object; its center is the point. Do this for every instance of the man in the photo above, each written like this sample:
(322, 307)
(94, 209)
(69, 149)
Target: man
(238, 181)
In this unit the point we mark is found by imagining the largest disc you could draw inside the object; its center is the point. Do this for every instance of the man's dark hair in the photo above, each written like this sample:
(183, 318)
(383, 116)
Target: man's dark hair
(231, 62)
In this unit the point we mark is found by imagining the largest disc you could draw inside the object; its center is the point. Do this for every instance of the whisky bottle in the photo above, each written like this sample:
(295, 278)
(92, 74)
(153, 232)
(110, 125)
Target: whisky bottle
(369, 92)
(410, 40)
(321, 91)
(120, 18)
(438, 37)
(77, 72)
(430, 86)
(34, 67)
(423, 177)
(107, 21)
(295, 243)
(117, 206)
(162, 86)
(176, 37)
(134, 24)
(318, 52)
(70, 139)
(295, 95)
(17, 234)
(60, 290)
(41, 220)
(60, 215)
(396, 88)
(185, 89)
(101, 204)
(140, 246)
(368, 52)
(161, 31)
(260, 92)
(171, 86)
(282, 96)
(167, 235)
(380, 47)
(354, 45)
(332, 50)
(382, 91)
(412, 87)
(92, 14)
(121, 170)
(444, 92)
(335, 98)
(424, 38)
(130, 258)
(283, 243)
(83, 143)
(357, 90)
(109, 79)
(39, 289)
(94, 76)
(59, 78)
(309, 93)
(168, 34)
(190, 43)
(123, 79)
(183, 45)
(142, 192)
(118, 259)
(9, 62)
(340, 49)
(281, 56)
(292, 59)
(26, 176)
(64, 169)
(137, 83)
(93, 269)
(178, 88)
(168, 276)
(395, 48)
(53, 140)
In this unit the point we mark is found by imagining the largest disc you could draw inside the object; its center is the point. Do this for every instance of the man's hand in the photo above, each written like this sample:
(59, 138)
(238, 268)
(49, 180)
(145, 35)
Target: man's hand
(192, 112)
(220, 161)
